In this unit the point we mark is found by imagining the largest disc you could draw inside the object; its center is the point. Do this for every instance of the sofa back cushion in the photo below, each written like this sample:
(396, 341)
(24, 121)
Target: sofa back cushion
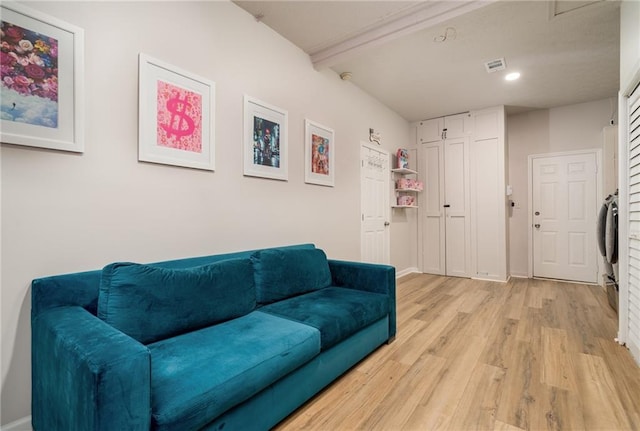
(151, 303)
(281, 274)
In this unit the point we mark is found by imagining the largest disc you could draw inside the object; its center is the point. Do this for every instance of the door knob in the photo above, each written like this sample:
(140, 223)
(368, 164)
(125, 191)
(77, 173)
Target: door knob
(537, 213)
(537, 226)
(387, 223)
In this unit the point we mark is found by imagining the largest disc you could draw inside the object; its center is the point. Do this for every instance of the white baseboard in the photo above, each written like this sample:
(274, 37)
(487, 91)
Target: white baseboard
(23, 424)
(497, 280)
(406, 272)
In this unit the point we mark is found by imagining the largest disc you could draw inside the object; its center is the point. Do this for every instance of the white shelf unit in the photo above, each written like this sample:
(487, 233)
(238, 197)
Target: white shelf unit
(403, 172)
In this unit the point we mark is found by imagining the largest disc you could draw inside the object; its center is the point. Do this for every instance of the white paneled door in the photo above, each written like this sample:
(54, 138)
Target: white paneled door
(456, 186)
(432, 208)
(564, 199)
(374, 182)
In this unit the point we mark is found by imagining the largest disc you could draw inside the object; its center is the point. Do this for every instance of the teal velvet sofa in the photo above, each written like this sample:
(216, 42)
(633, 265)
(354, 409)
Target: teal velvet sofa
(232, 341)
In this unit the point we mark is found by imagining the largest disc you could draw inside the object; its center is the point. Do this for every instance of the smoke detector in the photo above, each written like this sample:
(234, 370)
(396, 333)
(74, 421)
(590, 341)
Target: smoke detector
(495, 65)
(346, 76)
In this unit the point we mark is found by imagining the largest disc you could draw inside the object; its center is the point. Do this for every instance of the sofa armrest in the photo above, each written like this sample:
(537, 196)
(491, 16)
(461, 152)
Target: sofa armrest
(370, 277)
(86, 375)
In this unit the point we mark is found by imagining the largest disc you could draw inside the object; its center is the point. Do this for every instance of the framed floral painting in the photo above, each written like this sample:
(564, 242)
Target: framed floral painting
(319, 166)
(265, 140)
(41, 80)
(177, 116)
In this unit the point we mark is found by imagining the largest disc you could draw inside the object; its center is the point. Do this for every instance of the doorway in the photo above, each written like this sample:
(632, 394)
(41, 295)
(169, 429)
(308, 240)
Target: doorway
(374, 190)
(563, 211)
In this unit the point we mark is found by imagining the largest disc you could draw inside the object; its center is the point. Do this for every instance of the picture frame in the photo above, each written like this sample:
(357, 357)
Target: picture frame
(176, 116)
(264, 122)
(42, 85)
(319, 153)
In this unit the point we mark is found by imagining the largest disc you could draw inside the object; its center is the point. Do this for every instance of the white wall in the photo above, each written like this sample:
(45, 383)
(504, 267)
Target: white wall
(64, 212)
(629, 41)
(565, 128)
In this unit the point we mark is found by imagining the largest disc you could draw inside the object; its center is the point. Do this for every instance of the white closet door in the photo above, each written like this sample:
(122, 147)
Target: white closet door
(457, 126)
(430, 130)
(630, 300)
(433, 231)
(456, 185)
(487, 199)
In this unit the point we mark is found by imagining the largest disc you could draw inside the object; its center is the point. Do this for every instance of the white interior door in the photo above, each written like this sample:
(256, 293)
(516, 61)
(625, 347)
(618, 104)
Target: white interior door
(564, 210)
(374, 180)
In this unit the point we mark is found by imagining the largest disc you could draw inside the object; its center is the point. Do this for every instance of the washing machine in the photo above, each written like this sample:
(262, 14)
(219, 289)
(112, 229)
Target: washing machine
(608, 245)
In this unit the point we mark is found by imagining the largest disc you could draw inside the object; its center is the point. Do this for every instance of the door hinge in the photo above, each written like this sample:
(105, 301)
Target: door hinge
(362, 217)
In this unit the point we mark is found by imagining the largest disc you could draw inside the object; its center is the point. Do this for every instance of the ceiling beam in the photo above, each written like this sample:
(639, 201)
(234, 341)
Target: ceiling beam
(425, 15)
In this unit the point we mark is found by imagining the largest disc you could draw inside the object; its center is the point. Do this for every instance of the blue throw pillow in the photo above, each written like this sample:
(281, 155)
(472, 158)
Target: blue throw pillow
(281, 274)
(151, 303)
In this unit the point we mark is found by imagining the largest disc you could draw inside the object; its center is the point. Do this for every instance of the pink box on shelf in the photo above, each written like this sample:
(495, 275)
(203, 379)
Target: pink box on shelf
(402, 183)
(406, 200)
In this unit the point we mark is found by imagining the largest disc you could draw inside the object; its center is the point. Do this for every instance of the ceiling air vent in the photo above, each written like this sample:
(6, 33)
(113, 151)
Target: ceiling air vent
(495, 65)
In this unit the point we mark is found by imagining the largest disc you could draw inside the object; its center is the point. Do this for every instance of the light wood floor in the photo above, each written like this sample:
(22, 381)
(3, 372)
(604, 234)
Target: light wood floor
(474, 355)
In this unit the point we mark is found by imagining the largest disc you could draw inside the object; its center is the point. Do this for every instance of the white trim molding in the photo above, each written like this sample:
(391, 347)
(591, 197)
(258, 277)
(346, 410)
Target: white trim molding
(419, 17)
(23, 424)
(407, 271)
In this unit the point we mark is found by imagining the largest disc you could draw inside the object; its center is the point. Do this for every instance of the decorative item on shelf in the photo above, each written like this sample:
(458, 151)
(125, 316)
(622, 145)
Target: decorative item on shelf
(402, 183)
(406, 200)
(403, 158)
(409, 184)
(405, 187)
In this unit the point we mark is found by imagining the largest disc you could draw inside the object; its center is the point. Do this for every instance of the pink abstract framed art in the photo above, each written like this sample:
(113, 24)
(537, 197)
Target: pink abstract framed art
(319, 160)
(177, 116)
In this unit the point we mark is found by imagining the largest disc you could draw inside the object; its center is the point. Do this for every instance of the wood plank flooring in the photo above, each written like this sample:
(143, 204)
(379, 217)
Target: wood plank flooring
(476, 355)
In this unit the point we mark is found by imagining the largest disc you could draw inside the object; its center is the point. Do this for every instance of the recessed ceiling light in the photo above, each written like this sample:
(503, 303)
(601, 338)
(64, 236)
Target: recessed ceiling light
(512, 76)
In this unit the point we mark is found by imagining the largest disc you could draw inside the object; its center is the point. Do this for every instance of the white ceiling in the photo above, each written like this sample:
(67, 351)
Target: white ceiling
(566, 51)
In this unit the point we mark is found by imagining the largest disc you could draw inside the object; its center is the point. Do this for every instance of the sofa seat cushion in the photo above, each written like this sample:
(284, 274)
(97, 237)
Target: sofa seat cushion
(150, 303)
(197, 376)
(336, 311)
(283, 273)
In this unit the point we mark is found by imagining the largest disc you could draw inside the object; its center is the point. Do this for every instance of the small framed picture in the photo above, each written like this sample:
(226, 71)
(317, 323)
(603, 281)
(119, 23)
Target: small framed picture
(265, 140)
(42, 80)
(176, 116)
(319, 166)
